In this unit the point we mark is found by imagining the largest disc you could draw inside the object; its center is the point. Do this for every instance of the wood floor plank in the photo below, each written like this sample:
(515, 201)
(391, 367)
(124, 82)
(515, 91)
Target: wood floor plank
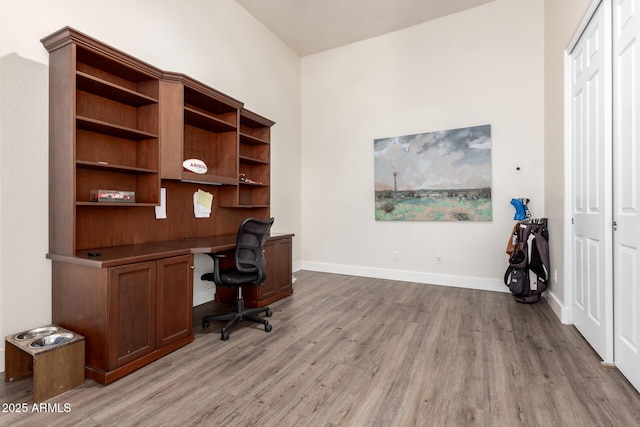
(355, 351)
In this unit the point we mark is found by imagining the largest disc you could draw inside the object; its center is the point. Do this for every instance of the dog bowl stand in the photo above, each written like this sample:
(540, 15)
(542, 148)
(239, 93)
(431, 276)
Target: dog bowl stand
(55, 369)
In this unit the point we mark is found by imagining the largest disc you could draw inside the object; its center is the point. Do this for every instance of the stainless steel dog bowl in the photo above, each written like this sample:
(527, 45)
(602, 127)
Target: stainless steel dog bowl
(36, 333)
(51, 340)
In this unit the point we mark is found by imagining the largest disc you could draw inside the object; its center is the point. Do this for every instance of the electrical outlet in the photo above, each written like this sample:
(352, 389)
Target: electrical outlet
(438, 260)
(395, 255)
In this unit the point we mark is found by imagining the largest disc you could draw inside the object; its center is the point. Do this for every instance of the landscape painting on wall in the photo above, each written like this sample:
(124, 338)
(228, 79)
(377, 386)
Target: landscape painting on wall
(434, 176)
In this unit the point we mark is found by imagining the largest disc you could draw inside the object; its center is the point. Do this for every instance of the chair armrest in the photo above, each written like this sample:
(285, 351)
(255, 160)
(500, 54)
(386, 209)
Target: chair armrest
(216, 266)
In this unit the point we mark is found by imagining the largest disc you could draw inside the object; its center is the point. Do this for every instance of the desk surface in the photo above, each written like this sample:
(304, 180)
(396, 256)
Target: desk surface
(119, 255)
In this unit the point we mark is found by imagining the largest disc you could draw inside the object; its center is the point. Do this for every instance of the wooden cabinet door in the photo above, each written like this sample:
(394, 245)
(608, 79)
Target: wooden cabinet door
(283, 268)
(270, 286)
(277, 252)
(132, 312)
(175, 299)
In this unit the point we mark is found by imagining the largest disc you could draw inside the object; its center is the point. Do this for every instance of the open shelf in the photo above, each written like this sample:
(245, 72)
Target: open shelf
(98, 126)
(199, 97)
(97, 86)
(116, 204)
(252, 160)
(113, 168)
(205, 121)
(253, 195)
(252, 140)
(142, 183)
(108, 66)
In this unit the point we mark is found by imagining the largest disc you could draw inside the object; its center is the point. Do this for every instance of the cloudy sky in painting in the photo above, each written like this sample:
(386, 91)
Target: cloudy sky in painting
(449, 159)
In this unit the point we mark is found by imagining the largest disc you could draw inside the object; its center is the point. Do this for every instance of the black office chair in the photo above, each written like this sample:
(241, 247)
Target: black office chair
(249, 269)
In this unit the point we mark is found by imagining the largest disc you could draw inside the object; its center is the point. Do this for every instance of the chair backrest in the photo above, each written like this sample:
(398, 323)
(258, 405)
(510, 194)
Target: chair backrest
(252, 234)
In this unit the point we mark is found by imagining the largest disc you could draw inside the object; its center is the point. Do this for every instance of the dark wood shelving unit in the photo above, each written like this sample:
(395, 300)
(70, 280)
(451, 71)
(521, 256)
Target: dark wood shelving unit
(120, 277)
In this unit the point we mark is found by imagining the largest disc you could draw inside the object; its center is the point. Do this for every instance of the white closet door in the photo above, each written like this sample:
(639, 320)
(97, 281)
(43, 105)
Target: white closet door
(626, 162)
(592, 299)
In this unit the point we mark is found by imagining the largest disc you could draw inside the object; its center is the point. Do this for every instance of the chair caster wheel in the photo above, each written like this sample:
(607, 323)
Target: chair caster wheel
(205, 324)
(224, 336)
(269, 313)
(267, 327)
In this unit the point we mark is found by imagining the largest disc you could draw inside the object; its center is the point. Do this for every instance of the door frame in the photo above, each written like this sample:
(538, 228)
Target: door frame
(568, 277)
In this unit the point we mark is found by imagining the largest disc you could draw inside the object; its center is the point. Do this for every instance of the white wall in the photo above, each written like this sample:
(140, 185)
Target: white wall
(25, 275)
(216, 42)
(481, 66)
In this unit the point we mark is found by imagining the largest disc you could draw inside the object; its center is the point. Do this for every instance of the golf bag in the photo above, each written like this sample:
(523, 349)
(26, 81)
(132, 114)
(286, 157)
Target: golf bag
(528, 272)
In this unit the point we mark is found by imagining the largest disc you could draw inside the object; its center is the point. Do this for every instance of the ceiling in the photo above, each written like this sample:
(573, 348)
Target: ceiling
(312, 26)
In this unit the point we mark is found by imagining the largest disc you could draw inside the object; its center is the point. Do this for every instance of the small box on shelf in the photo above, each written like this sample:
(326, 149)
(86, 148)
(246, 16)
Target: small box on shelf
(113, 196)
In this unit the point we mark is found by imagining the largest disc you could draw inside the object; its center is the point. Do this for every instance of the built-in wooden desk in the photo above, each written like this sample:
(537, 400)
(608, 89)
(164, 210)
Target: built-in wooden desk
(134, 303)
(121, 277)
(118, 255)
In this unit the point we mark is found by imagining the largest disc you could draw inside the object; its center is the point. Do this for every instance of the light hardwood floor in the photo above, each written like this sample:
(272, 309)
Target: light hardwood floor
(352, 351)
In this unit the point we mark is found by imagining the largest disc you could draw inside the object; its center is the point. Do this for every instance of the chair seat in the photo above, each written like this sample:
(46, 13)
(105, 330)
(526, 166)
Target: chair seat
(233, 278)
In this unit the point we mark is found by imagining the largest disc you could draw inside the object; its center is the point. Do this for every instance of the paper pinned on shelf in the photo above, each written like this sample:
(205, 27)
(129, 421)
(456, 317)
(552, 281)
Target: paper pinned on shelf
(202, 204)
(161, 211)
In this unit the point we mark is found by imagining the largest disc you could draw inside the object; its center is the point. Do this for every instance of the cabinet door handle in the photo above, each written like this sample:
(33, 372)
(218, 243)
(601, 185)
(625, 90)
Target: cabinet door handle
(193, 267)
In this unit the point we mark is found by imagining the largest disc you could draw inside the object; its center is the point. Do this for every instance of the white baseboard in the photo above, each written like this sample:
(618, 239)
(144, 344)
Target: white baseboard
(484, 284)
(480, 283)
(563, 312)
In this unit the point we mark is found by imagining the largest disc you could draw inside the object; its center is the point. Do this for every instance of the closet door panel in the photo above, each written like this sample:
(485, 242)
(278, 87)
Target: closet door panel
(591, 304)
(626, 162)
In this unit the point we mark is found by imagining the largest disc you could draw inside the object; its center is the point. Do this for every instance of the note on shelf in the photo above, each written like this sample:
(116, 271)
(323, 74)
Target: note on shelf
(202, 204)
(161, 211)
